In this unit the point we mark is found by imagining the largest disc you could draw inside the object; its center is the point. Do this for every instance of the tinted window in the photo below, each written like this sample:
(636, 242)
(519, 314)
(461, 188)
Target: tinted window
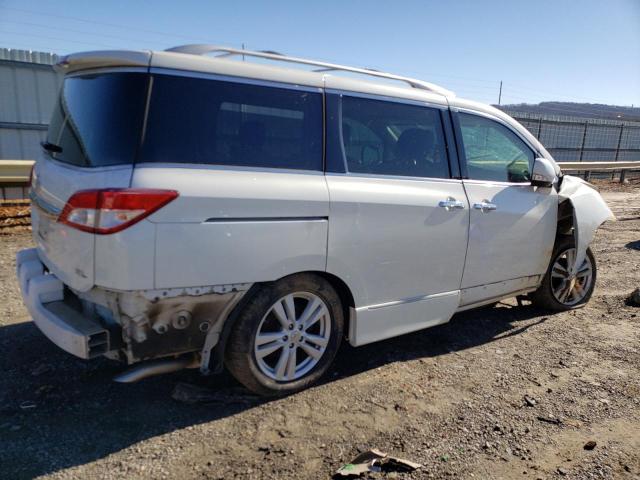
(494, 152)
(96, 120)
(388, 138)
(194, 120)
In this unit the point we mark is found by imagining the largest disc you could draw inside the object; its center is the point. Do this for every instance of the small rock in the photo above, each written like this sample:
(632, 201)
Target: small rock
(590, 445)
(555, 421)
(562, 471)
(40, 369)
(530, 401)
(44, 389)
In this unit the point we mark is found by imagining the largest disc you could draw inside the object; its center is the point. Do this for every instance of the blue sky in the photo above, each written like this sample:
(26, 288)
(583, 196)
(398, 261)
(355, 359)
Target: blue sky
(580, 50)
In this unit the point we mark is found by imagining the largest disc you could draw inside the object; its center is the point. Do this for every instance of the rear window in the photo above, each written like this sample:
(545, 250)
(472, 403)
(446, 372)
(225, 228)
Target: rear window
(97, 119)
(204, 121)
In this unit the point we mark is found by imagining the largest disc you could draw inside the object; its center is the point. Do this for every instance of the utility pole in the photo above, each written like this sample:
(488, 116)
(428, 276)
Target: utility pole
(500, 93)
(243, 53)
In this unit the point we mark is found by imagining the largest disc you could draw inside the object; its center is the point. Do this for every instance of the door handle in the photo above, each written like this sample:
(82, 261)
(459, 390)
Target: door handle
(485, 206)
(451, 204)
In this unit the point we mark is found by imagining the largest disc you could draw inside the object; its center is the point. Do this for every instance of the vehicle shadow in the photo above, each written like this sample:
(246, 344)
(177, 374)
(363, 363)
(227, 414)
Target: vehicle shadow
(57, 411)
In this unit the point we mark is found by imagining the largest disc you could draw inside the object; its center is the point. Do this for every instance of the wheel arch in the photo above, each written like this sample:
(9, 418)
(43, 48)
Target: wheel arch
(216, 360)
(565, 219)
(346, 297)
(588, 212)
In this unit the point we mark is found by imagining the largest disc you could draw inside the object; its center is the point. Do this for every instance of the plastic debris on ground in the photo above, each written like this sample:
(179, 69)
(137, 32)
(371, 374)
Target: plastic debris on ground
(375, 461)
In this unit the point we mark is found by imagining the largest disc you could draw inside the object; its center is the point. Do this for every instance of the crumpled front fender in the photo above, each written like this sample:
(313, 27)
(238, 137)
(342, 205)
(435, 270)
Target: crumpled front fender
(589, 212)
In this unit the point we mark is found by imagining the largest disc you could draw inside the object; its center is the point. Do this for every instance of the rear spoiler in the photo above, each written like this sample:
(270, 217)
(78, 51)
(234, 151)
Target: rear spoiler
(103, 58)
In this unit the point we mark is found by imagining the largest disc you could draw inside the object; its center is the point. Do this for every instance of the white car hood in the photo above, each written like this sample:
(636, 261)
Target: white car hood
(589, 212)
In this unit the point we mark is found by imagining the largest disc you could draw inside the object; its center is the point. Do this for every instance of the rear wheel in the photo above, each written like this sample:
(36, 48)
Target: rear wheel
(287, 335)
(560, 290)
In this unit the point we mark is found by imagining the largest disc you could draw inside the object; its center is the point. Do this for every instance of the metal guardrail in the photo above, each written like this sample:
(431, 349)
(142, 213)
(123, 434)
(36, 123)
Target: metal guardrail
(14, 179)
(588, 167)
(598, 166)
(15, 171)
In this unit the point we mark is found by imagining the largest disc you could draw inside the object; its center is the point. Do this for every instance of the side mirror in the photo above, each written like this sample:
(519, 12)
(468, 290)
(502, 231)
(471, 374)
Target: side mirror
(543, 175)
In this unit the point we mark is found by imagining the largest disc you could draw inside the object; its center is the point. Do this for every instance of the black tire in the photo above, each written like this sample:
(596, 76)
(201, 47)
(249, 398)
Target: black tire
(544, 298)
(240, 358)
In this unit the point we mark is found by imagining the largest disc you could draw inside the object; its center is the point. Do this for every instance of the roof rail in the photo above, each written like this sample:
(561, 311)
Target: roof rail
(202, 49)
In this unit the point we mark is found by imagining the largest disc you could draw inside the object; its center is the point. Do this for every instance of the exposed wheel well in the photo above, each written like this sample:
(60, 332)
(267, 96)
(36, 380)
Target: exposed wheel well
(341, 288)
(565, 219)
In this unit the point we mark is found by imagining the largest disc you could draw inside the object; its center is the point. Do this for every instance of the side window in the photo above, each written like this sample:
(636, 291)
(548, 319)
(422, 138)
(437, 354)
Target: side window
(388, 138)
(493, 152)
(194, 120)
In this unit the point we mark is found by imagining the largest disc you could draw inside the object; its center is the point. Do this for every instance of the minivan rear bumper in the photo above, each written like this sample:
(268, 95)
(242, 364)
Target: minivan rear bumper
(43, 295)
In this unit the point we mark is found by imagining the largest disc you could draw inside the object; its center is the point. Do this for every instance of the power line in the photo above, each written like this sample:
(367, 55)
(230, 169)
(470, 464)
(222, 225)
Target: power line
(95, 22)
(59, 38)
(464, 83)
(49, 27)
(527, 90)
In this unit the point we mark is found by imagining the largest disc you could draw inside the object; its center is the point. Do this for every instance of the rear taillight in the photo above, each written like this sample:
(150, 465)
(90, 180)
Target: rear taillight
(112, 210)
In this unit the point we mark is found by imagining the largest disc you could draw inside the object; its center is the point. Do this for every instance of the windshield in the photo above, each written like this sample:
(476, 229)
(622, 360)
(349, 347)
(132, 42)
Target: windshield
(97, 119)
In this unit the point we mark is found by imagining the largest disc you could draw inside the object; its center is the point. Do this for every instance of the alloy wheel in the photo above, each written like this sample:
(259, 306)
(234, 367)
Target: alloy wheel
(293, 336)
(566, 288)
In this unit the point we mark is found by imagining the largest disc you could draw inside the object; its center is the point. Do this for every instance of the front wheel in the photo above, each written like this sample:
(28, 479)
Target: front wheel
(286, 336)
(560, 290)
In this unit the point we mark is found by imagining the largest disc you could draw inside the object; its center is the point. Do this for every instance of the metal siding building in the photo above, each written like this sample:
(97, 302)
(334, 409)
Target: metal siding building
(28, 89)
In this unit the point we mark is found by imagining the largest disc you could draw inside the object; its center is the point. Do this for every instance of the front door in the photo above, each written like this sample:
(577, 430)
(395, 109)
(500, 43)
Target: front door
(512, 224)
(398, 221)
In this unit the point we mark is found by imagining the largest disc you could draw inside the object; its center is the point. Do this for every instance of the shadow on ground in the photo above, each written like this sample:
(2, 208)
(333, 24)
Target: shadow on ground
(633, 245)
(57, 411)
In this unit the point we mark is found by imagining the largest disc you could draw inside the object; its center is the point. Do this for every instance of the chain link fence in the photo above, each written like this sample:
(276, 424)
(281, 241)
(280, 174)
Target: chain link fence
(572, 139)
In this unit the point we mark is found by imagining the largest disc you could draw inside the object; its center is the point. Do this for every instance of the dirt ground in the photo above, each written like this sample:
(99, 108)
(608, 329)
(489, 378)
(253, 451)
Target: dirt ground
(451, 397)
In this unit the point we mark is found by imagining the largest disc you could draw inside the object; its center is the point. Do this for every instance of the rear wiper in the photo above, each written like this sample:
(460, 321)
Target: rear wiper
(51, 147)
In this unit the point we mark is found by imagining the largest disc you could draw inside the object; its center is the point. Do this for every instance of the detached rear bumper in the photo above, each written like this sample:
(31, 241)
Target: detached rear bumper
(43, 295)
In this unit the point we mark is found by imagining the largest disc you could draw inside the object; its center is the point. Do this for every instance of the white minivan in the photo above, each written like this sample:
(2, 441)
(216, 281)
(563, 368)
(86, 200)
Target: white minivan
(193, 210)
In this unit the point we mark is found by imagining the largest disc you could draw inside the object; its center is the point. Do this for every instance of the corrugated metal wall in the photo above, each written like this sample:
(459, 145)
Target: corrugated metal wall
(28, 88)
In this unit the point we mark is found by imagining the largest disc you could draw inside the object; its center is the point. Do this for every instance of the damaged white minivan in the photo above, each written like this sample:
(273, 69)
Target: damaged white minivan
(192, 210)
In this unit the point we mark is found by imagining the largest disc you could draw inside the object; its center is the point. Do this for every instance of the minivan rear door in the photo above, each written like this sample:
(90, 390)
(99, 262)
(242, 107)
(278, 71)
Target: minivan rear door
(91, 143)
(399, 221)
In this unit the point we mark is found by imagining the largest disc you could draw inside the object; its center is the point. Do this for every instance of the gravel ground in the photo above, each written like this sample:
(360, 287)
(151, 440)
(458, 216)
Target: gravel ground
(451, 397)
